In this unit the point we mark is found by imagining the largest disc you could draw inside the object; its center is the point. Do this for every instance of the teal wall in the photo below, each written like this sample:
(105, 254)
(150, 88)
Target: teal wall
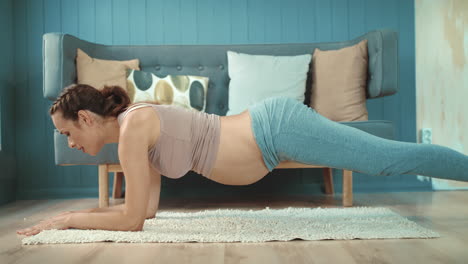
(8, 173)
(197, 22)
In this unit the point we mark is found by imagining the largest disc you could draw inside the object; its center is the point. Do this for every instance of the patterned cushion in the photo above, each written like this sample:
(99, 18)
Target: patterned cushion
(183, 90)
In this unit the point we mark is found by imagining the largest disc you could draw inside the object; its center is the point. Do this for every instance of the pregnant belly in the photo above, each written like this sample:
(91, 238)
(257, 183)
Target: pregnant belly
(239, 160)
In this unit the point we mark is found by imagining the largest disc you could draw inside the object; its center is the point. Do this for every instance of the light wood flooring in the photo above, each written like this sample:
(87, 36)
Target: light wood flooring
(445, 212)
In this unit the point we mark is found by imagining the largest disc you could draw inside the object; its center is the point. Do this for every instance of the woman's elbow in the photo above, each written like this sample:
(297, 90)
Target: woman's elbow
(136, 226)
(134, 223)
(151, 213)
(138, 223)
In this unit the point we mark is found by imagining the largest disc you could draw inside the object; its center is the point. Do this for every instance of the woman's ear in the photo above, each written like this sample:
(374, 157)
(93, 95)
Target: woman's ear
(85, 117)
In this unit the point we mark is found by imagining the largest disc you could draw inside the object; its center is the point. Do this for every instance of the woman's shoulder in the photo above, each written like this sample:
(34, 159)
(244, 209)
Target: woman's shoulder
(134, 109)
(143, 120)
(136, 112)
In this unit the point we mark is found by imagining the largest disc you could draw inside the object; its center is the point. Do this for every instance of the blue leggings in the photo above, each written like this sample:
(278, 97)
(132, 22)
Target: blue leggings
(286, 129)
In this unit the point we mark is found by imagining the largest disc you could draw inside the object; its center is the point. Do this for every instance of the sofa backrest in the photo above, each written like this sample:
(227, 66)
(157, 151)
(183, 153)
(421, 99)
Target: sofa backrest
(59, 52)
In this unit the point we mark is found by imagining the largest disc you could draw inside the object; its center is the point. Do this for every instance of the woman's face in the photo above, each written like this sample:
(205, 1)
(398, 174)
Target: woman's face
(85, 137)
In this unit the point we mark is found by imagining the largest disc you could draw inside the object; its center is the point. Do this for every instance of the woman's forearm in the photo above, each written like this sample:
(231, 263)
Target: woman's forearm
(102, 209)
(115, 220)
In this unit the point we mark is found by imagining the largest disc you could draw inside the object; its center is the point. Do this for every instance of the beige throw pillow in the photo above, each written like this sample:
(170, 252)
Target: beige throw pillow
(339, 81)
(97, 72)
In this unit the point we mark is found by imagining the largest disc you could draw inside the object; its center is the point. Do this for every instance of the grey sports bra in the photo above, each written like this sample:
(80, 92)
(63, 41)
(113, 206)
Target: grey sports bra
(189, 140)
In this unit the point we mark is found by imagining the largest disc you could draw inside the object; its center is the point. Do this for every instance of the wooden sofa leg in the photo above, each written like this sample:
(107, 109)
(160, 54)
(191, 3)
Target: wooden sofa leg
(347, 188)
(117, 189)
(328, 181)
(103, 185)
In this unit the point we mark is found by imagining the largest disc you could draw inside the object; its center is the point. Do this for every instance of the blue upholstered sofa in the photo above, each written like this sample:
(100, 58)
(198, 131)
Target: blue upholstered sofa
(59, 51)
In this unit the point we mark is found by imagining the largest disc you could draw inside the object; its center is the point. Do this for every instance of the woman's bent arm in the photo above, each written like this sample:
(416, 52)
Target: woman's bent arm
(133, 156)
(116, 207)
(111, 220)
(154, 193)
(134, 141)
(101, 209)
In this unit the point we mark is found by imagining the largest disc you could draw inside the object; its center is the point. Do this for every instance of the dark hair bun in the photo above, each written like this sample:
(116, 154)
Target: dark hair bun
(116, 100)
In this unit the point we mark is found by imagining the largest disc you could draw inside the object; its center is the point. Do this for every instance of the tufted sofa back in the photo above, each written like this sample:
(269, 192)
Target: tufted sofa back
(59, 51)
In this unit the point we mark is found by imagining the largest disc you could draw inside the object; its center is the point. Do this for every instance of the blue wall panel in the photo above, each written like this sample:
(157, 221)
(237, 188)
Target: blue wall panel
(122, 22)
(69, 17)
(32, 106)
(8, 175)
(239, 23)
(205, 22)
(306, 20)
(340, 21)
(171, 22)
(188, 26)
(256, 21)
(137, 22)
(356, 18)
(273, 22)
(323, 12)
(21, 87)
(222, 29)
(104, 22)
(154, 22)
(289, 22)
(87, 20)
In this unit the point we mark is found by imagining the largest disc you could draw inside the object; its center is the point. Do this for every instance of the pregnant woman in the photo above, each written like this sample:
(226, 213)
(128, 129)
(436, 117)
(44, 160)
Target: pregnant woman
(155, 140)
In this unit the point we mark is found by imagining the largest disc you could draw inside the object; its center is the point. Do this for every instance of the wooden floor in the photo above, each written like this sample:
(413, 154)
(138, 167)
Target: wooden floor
(445, 212)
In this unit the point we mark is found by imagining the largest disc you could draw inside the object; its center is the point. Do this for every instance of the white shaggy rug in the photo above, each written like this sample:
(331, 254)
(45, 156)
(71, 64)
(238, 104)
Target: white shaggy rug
(228, 225)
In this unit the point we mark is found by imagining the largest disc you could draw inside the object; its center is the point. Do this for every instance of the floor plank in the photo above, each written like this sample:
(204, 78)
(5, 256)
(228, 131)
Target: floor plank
(445, 212)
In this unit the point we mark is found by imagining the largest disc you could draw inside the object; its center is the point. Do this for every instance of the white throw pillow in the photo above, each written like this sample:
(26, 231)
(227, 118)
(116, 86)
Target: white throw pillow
(257, 77)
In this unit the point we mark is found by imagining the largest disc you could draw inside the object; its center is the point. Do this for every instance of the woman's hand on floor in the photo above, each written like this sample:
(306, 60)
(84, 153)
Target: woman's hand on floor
(57, 222)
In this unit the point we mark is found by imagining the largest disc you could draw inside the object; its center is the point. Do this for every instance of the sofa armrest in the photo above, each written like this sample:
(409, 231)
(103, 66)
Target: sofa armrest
(383, 79)
(59, 67)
